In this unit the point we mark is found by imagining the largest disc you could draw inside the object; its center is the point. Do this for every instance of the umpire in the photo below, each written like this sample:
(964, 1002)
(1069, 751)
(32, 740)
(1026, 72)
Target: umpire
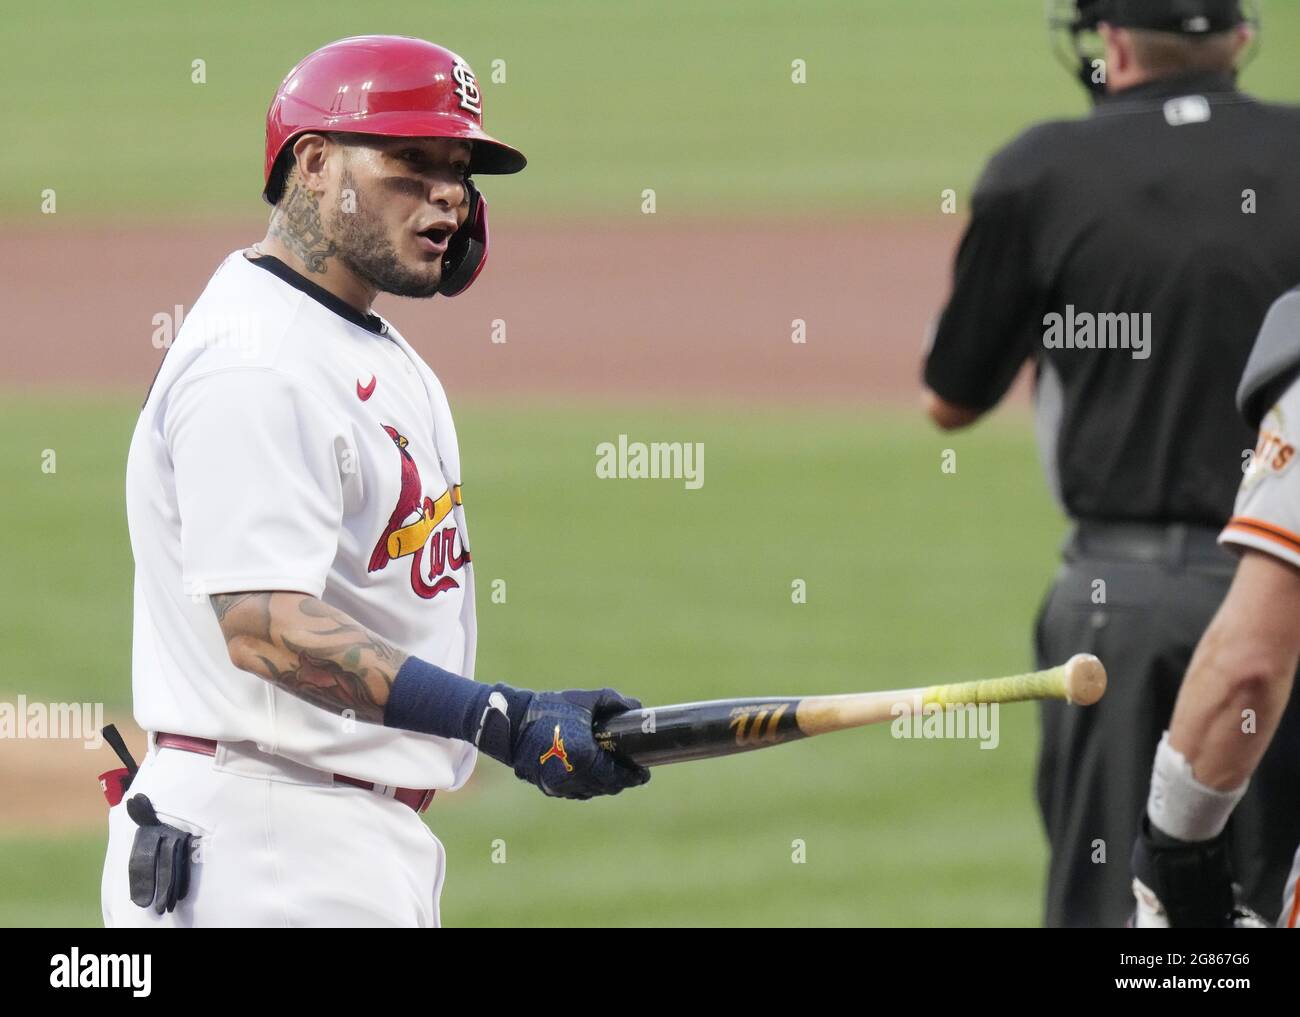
(1131, 256)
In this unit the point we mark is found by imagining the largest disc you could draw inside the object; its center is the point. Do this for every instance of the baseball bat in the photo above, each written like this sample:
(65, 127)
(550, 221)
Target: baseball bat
(655, 735)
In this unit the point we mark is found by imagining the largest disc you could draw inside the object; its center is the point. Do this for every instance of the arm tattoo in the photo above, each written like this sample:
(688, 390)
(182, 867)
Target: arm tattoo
(296, 222)
(310, 650)
(223, 602)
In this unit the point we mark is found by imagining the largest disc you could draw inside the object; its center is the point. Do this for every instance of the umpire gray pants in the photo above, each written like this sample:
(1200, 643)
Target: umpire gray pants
(1139, 597)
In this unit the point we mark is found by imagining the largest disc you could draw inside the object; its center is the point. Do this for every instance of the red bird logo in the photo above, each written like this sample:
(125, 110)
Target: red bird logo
(364, 392)
(413, 527)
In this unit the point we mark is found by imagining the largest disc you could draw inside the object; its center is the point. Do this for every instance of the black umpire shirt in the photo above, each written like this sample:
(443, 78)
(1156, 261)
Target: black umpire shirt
(1132, 254)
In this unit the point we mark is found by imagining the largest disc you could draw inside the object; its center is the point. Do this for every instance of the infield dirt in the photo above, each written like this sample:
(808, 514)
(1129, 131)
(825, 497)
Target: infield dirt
(664, 309)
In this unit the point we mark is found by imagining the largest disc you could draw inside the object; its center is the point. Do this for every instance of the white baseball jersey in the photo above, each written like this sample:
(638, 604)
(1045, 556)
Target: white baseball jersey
(1267, 513)
(291, 443)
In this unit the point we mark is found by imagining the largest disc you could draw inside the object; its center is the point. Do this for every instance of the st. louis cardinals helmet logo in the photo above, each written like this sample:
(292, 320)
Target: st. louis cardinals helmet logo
(415, 525)
(467, 88)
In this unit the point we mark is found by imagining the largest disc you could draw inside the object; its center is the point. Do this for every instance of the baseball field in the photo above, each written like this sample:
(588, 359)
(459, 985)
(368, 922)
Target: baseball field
(836, 541)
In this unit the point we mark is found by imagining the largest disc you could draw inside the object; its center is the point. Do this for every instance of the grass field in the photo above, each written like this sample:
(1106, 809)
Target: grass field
(695, 100)
(912, 575)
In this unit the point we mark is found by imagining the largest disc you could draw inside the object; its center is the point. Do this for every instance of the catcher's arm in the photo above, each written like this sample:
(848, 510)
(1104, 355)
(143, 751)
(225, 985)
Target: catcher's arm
(1246, 660)
(1243, 666)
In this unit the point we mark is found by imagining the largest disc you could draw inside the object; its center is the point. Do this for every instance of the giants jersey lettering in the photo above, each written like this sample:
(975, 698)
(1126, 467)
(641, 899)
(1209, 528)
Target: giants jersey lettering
(284, 447)
(1267, 513)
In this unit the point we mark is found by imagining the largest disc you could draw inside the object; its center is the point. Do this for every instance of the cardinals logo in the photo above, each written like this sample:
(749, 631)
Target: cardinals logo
(467, 88)
(416, 526)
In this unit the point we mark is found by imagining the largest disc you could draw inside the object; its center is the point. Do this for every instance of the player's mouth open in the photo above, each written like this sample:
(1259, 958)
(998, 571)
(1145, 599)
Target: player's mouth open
(435, 239)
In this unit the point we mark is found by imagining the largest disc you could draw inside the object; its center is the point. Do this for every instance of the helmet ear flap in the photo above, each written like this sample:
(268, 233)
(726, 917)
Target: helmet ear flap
(467, 253)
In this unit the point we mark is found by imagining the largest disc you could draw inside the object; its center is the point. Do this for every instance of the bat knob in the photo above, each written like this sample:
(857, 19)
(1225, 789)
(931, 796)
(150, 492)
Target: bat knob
(1085, 679)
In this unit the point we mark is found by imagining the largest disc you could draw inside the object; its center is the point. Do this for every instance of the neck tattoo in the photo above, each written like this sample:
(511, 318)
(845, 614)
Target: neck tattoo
(297, 224)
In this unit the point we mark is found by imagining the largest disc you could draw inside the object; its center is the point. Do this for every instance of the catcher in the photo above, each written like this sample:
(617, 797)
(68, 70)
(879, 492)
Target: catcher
(1236, 691)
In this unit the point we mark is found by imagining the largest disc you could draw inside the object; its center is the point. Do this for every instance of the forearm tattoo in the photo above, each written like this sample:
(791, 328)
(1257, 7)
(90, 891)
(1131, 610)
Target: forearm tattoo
(296, 222)
(310, 650)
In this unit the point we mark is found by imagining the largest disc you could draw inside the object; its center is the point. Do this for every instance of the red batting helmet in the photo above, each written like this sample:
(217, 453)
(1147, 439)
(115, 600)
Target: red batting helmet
(401, 87)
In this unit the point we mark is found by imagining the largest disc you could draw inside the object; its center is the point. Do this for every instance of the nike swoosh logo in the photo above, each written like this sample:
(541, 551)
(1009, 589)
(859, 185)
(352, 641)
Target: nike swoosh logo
(364, 392)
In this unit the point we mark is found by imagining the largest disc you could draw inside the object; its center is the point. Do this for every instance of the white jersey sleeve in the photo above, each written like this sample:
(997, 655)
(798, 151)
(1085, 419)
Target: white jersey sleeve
(1267, 513)
(258, 484)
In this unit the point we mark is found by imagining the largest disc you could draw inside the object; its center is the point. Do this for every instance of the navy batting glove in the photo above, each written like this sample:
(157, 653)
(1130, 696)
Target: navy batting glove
(546, 737)
(552, 745)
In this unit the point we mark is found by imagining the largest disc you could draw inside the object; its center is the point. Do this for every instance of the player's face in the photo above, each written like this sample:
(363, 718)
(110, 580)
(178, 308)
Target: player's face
(398, 202)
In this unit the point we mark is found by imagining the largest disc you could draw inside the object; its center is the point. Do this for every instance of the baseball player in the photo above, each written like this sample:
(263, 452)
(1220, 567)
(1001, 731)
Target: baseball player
(304, 594)
(1131, 256)
(1234, 693)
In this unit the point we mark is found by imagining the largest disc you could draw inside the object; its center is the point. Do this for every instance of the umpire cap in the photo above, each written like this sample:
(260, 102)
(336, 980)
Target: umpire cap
(1187, 17)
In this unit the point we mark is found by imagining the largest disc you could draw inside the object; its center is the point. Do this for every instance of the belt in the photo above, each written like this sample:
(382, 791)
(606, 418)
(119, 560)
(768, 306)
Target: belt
(413, 798)
(1170, 544)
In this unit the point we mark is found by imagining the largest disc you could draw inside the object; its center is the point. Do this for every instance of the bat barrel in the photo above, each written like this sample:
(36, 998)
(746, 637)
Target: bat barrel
(657, 735)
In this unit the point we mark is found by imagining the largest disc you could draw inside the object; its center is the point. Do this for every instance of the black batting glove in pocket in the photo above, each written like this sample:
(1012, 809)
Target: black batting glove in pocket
(159, 868)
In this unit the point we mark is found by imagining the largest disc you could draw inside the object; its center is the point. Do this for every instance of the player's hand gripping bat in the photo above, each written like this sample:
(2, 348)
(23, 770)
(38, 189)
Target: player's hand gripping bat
(671, 734)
